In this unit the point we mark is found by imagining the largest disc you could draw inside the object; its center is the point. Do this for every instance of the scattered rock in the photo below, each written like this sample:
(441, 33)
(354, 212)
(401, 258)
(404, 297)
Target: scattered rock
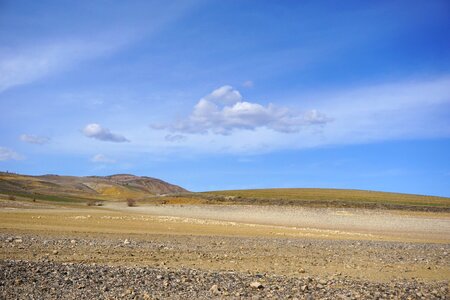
(256, 285)
(215, 289)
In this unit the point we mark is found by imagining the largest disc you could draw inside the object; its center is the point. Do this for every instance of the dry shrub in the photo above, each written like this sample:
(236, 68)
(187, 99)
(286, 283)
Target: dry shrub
(94, 203)
(131, 202)
(11, 197)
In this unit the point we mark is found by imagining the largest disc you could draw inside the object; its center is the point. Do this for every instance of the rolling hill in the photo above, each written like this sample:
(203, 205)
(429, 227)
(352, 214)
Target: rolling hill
(151, 190)
(114, 187)
(330, 198)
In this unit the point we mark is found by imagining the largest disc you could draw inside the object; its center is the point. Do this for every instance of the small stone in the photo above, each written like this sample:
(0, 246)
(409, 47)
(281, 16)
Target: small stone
(256, 285)
(159, 277)
(18, 241)
(319, 286)
(126, 242)
(55, 252)
(304, 288)
(323, 282)
(301, 270)
(214, 289)
(146, 296)
(73, 241)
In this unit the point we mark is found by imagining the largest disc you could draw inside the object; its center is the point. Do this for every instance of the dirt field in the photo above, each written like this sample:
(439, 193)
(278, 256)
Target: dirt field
(290, 251)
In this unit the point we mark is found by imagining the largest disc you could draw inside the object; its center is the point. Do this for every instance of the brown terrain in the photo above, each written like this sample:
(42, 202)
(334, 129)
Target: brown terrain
(216, 245)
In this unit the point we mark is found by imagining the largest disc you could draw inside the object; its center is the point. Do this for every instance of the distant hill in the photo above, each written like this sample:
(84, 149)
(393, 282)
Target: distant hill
(330, 198)
(114, 187)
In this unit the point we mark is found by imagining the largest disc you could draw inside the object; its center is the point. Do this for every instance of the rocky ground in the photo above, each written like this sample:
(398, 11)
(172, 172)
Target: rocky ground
(50, 280)
(178, 252)
(82, 266)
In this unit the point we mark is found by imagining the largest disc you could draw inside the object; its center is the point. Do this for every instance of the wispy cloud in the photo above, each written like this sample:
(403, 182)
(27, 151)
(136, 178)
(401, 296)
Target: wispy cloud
(408, 109)
(100, 158)
(174, 137)
(34, 139)
(248, 84)
(8, 154)
(224, 111)
(98, 132)
(29, 64)
(23, 62)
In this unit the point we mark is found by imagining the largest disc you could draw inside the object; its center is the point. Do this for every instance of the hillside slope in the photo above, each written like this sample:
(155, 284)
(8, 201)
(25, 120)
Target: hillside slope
(114, 187)
(331, 198)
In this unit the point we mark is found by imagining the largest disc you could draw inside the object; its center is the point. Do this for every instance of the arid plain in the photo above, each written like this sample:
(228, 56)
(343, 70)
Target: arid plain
(220, 245)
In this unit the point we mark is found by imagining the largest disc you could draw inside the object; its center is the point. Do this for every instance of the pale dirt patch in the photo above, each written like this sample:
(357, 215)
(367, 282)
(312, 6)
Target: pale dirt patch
(376, 224)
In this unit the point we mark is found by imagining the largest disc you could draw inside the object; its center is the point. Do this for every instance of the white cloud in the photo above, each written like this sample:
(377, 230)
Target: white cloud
(224, 95)
(96, 131)
(248, 84)
(408, 109)
(100, 158)
(411, 109)
(34, 139)
(224, 111)
(8, 154)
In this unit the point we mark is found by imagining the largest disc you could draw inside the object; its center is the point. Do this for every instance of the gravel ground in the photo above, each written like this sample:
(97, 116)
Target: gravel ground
(82, 253)
(51, 280)
(49, 266)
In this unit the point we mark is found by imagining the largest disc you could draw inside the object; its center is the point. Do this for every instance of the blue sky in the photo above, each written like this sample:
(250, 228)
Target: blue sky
(229, 94)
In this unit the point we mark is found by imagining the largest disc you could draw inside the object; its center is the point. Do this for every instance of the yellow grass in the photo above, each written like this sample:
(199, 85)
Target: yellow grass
(312, 194)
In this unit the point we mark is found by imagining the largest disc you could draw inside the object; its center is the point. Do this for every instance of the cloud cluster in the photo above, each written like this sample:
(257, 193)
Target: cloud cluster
(8, 154)
(96, 131)
(34, 139)
(100, 158)
(224, 110)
